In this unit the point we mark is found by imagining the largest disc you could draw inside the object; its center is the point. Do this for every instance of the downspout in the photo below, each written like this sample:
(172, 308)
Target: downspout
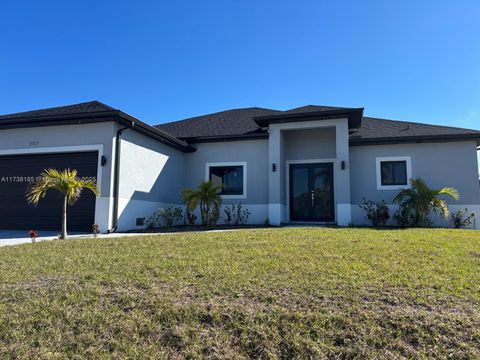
(116, 178)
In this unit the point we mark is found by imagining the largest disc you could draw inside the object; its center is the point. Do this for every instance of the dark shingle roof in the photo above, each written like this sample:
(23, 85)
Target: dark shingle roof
(86, 107)
(87, 113)
(241, 123)
(224, 123)
(312, 108)
(375, 129)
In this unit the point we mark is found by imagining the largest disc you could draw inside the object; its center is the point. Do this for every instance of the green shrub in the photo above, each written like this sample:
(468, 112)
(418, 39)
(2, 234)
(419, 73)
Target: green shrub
(460, 219)
(206, 196)
(377, 212)
(242, 215)
(190, 217)
(229, 211)
(236, 214)
(170, 215)
(165, 216)
(403, 218)
(419, 201)
(153, 221)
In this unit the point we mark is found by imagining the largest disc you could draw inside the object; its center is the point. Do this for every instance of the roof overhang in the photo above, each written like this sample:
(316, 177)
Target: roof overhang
(225, 138)
(414, 139)
(354, 116)
(97, 117)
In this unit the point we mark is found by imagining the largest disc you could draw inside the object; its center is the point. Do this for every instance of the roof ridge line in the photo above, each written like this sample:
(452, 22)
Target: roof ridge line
(215, 113)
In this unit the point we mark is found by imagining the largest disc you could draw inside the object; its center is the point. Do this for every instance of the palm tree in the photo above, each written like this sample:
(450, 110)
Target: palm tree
(67, 183)
(206, 195)
(418, 201)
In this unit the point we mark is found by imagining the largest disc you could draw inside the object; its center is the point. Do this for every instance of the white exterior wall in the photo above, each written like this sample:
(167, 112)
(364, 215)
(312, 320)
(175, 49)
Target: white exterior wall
(252, 152)
(446, 164)
(152, 176)
(69, 138)
(278, 193)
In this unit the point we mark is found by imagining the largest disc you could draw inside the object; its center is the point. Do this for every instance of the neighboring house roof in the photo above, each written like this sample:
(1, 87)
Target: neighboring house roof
(87, 113)
(243, 124)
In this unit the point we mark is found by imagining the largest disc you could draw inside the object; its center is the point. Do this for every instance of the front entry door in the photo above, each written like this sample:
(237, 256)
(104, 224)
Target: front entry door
(311, 192)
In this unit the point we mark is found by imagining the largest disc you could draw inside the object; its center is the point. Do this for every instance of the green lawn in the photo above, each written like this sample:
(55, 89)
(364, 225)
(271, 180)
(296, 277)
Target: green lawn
(267, 293)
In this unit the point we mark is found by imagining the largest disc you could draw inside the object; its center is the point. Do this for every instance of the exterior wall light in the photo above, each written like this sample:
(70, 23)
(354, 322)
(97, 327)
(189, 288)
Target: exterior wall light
(274, 167)
(104, 160)
(342, 165)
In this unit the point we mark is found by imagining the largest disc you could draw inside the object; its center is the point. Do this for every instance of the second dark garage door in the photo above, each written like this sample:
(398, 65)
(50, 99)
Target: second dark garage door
(16, 173)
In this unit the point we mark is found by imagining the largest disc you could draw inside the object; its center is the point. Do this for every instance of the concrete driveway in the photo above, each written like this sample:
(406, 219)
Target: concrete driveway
(16, 237)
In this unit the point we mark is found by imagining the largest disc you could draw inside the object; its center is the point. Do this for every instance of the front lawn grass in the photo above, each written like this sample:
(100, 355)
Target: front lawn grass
(263, 293)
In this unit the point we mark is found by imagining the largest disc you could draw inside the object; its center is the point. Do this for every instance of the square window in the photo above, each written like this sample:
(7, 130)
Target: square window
(393, 173)
(230, 178)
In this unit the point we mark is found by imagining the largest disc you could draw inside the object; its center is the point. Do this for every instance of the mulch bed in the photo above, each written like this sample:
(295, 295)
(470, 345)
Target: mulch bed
(191, 228)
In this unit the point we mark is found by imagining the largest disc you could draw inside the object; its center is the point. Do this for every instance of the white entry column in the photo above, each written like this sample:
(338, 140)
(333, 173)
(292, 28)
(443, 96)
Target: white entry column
(342, 182)
(276, 168)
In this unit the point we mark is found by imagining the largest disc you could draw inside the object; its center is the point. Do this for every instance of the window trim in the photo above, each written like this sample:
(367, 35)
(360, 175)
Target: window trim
(238, 163)
(408, 161)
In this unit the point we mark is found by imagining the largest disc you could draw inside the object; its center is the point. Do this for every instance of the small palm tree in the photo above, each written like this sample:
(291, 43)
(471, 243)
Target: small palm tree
(206, 195)
(419, 201)
(67, 183)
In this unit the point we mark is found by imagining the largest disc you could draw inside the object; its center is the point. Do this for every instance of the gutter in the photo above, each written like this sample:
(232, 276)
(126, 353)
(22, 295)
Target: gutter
(97, 117)
(116, 177)
(413, 139)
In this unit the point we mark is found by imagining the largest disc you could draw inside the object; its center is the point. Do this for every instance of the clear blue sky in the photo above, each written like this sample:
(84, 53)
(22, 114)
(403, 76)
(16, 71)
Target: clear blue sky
(167, 60)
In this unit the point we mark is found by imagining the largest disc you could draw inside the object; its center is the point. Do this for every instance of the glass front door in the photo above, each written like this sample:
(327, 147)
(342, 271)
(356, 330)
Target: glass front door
(311, 192)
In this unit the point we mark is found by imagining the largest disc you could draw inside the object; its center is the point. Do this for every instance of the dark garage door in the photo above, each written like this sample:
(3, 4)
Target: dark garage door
(16, 173)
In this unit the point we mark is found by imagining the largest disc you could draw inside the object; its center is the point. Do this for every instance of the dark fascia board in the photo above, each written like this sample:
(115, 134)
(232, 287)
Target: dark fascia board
(224, 138)
(414, 139)
(155, 133)
(352, 141)
(96, 117)
(354, 116)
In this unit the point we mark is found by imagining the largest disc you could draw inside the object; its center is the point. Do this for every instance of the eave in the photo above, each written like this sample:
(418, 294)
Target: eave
(97, 117)
(354, 116)
(414, 139)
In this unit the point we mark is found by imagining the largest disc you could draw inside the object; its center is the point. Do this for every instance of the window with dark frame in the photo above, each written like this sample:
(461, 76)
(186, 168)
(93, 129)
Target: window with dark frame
(230, 178)
(394, 172)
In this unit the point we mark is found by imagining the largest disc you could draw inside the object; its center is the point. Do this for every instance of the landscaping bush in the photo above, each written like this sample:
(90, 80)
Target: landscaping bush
(170, 215)
(165, 216)
(403, 218)
(206, 196)
(460, 219)
(236, 214)
(377, 212)
(419, 201)
(153, 221)
(190, 217)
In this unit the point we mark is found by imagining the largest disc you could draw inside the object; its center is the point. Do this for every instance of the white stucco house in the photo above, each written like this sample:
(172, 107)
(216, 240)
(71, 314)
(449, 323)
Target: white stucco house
(312, 164)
